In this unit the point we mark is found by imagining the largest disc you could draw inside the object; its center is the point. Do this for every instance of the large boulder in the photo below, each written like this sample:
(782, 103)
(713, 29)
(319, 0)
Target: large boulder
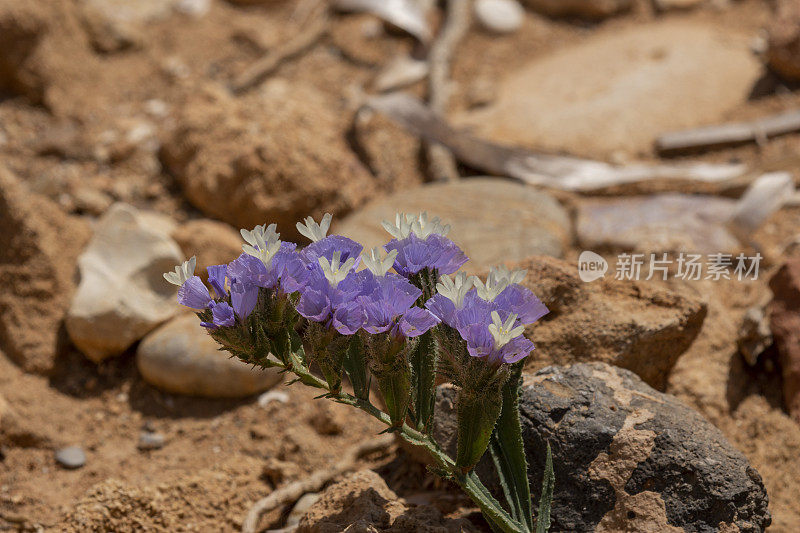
(362, 502)
(180, 357)
(278, 155)
(626, 457)
(122, 294)
(38, 251)
(493, 220)
(636, 325)
(617, 90)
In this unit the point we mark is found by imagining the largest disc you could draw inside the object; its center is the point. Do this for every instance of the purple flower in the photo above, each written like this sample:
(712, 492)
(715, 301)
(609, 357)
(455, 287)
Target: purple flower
(389, 307)
(434, 252)
(194, 294)
(216, 278)
(314, 304)
(330, 244)
(244, 297)
(522, 302)
(251, 269)
(222, 314)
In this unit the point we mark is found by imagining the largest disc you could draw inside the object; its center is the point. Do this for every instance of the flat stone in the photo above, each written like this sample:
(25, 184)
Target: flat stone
(180, 357)
(122, 294)
(38, 254)
(71, 457)
(632, 324)
(626, 457)
(657, 223)
(493, 220)
(618, 90)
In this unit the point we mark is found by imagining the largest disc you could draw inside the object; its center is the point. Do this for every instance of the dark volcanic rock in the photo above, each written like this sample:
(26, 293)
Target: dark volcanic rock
(627, 457)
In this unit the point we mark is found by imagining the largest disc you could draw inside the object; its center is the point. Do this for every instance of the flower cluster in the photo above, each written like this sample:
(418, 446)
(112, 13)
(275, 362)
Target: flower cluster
(331, 290)
(490, 317)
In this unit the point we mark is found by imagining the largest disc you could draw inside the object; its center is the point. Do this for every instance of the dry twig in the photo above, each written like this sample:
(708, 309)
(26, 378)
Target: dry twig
(306, 35)
(727, 134)
(441, 162)
(314, 482)
(535, 168)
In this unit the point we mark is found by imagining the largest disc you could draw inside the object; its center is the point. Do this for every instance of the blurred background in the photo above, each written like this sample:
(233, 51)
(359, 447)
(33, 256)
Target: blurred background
(137, 133)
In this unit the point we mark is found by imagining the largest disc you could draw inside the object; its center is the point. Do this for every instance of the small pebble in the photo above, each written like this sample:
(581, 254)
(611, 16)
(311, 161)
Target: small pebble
(272, 396)
(71, 457)
(499, 16)
(150, 441)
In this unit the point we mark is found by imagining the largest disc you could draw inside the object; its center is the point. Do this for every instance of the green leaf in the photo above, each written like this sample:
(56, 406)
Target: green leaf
(423, 380)
(355, 364)
(508, 452)
(548, 484)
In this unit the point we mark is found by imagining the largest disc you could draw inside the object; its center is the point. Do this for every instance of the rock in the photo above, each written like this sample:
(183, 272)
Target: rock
(631, 85)
(361, 502)
(5, 410)
(499, 16)
(494, 221)
(663, 222)
(783, 52)
(71, 457)
(635, 325)
(627, 457)
(391, 154)
(38, 252)
(150, 441)
(181, 358)
(301, 508)
(214, 243)
(754, 334)
(277, 155)
(589, 9)
(42, 49)
(784, 317)
(122, 294)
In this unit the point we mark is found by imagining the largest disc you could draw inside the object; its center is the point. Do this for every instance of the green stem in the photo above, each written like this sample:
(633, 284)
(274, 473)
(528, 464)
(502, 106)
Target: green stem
(469, 483)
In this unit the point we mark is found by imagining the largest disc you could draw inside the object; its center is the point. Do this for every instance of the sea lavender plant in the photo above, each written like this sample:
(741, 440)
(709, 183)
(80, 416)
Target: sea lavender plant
(402, 320)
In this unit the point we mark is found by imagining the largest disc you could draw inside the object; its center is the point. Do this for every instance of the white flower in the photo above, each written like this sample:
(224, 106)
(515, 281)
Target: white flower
(312, 230)
(379, 266)
(401, 227)
(455, 289)
(182, 272)
(405, 224)
(499, 278)
(334, 271)
(502, 333)
(264, 242)
(423, 227)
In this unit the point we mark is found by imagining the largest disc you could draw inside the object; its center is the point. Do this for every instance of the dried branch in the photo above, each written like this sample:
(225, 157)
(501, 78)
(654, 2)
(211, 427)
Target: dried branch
(727, 134)
(535, 168)
(441, 162)
(307, 34)
(314, 482)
